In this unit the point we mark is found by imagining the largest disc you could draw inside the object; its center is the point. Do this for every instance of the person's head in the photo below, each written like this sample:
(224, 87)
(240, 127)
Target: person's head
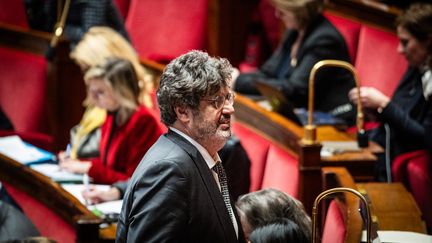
(297, 14)
(100, 43)
(194, 96)
(113, 86)
(414, 29)
(263, 206)
(281, 230)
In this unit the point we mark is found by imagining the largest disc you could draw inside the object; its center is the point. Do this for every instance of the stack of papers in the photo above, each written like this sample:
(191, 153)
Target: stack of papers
(57, 174)
(22, 152)
(400, 237)
(112, 207)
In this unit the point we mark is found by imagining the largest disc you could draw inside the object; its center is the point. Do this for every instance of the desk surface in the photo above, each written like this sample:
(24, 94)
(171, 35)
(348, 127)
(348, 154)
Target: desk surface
(394, 207)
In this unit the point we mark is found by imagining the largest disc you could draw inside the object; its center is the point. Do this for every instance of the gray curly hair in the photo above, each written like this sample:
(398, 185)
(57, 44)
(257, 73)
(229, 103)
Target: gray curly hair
(189, 78)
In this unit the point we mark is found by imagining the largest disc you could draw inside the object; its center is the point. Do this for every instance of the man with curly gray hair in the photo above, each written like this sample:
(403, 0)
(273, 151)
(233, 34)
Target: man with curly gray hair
(179, 192)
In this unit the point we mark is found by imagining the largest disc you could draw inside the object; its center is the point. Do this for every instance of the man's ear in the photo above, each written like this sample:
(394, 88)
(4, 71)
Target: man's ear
(183, 114)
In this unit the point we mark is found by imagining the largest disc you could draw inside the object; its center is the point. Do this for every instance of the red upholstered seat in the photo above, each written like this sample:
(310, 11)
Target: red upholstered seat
(281, 171)
(163, 30)
(350, 31)
(378, 63)
(271, 166)
(414, 169)
(257, 149)
(13, 12)
(49, 224)
(23, 94)
(334, 226)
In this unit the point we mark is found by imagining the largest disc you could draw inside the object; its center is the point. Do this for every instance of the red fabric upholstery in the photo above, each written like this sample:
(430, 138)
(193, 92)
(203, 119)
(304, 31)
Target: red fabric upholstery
(350, 31)
(281, 171)
(13, 12)
(334, 226)
(378, 63)
(49, 224)
(271, 166)
(23, 89)
(23, 95)
(123, 7)
(257, 149)
(414, 169)
(163, 30)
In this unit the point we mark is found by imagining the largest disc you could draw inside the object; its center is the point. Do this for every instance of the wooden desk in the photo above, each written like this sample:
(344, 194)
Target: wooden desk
(54, 197)
(393, 206)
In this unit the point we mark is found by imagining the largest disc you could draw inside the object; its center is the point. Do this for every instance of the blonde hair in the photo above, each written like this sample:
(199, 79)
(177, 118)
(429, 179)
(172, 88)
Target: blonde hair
(305, 11)
(100, 43)
(120, 75)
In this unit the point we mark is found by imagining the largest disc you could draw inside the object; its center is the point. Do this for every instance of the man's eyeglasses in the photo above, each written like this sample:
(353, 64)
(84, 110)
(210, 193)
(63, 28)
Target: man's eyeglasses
(219, 101)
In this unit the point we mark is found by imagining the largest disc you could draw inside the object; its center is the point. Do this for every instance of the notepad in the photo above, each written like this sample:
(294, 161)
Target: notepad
(22, 152)
(57, 174)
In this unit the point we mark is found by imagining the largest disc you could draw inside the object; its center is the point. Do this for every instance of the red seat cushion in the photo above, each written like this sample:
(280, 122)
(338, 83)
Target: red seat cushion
(123, 7)
(49, 224)
(350, 31)
(334, 226)
(256, 148)
(281, 171)
(163, 30)
(378, 63)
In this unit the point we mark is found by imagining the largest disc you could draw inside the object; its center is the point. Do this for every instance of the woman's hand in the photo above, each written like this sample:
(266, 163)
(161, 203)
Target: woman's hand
(370, 98)
(72, 165)
(93, 195)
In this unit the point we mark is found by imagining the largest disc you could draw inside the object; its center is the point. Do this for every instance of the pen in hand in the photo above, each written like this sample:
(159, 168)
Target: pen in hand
(86, 183)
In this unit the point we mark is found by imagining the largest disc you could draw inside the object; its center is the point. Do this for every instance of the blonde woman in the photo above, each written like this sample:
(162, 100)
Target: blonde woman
(129, 129)
(96, 45)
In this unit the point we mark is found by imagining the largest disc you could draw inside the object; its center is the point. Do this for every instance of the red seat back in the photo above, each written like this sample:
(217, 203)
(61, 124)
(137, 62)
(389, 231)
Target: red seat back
(414, 169)
(163, 30)
(256, 148)
(281, 171)
(334, 226)
(49, 224)
(350, 31)
(23, 90)
(13, 12)
(378, 63)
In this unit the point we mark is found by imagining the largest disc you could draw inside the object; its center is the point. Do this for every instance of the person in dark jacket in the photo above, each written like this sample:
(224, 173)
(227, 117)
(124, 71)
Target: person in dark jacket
(309, 38)
(404, 115)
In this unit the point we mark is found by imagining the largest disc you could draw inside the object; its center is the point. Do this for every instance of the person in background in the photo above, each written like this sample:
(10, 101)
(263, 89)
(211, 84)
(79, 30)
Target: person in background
(279, 231)
(82, 15)
(265, 206)
(129, 130)
(179, 191)
(309, 38)
(403, 116)
(96, 45)
(234, 160)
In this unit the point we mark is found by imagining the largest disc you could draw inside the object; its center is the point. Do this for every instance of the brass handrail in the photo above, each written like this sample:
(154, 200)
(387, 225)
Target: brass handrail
(326, 193)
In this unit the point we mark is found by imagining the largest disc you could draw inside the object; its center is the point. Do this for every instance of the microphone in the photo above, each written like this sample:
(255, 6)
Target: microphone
(310, 129)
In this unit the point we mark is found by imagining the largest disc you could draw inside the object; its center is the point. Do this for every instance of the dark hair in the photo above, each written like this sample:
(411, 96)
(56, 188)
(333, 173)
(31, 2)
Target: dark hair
(264, 206)
(417, 20)
(305, 11)
(279, 231)
(189, 78)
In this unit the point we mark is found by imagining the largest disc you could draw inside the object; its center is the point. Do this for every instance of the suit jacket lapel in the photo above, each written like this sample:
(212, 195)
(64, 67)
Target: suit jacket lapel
(209, 182)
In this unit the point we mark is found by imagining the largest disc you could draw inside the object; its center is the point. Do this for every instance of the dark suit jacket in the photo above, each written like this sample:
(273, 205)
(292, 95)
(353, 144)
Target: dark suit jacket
(406, 115)
(321, 41)
(173, 197)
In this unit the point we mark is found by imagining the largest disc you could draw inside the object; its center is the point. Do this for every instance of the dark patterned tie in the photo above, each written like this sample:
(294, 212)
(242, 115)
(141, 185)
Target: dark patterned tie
(218, 168)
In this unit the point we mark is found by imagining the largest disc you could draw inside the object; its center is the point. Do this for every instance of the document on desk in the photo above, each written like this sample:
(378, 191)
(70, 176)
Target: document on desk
(57, 174)
(400, 237)
(106, 207)
(25, 153)
(330, 148)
